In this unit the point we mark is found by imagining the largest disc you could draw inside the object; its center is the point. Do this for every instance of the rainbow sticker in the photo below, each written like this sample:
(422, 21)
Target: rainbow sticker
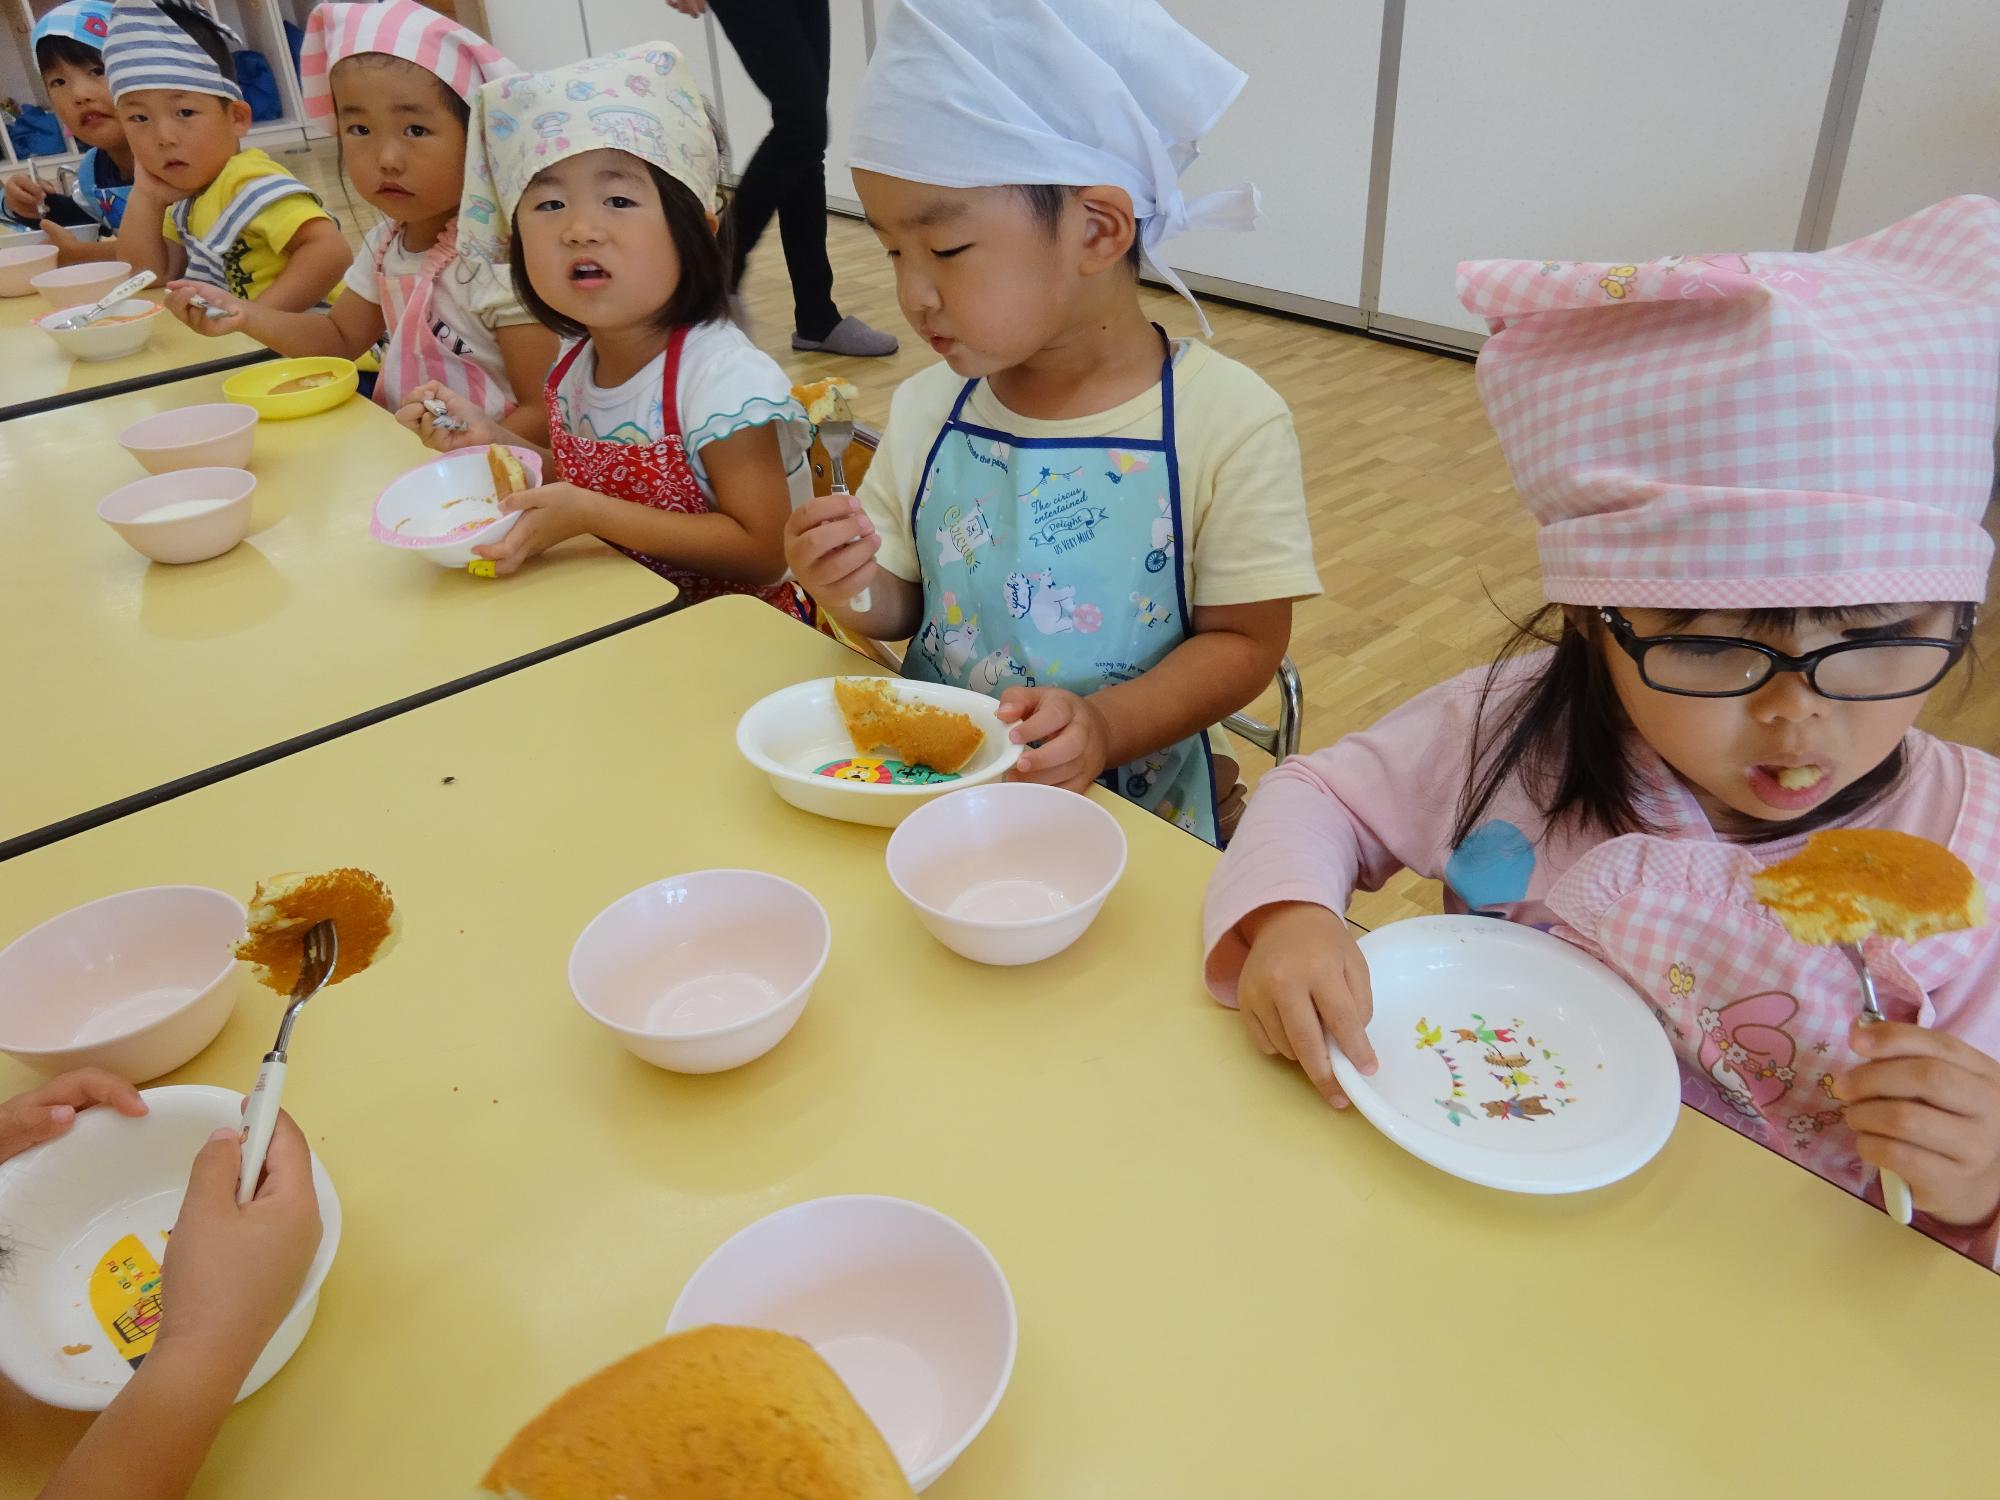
(872, 772)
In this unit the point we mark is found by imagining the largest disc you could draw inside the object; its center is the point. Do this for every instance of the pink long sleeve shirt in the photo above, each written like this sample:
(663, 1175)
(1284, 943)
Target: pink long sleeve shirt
(1758, 1022)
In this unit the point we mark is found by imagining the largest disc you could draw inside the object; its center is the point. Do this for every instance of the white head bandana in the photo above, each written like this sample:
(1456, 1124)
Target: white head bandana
(644, 101)
(967, 93)
(146, 49)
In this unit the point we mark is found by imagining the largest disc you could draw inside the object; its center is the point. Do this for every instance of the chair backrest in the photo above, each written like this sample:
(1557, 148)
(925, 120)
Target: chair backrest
(1281, 739)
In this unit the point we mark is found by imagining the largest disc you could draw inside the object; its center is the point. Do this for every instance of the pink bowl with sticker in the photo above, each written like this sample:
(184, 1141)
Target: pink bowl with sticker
(441, 510)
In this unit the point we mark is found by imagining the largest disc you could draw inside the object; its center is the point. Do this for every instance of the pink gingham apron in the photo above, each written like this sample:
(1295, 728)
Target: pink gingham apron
(1758, 1021)
(422, 348)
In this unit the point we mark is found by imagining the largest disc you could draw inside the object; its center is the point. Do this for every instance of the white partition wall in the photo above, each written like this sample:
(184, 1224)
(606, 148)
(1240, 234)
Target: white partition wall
(1594, 129)
(1928, 126)
(541, 33)
(1301, 131)
(1620, 128)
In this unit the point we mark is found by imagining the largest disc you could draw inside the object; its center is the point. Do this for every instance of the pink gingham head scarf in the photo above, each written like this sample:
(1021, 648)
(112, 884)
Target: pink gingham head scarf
(1762, 430)
(401, 28)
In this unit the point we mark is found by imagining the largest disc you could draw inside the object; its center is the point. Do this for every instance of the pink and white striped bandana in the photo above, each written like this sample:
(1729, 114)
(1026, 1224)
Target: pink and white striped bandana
(401, 28)
(1760, 430)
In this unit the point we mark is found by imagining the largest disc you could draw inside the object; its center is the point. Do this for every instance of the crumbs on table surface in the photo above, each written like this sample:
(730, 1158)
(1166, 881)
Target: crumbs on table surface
(76, 1349)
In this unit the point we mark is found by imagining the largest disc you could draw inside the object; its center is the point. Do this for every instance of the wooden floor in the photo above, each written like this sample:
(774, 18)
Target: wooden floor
(1419, 537)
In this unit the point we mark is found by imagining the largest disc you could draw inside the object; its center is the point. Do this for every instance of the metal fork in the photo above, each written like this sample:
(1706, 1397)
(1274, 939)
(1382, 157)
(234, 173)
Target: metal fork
(1896, 1201)
(836, 436)
(321, 951)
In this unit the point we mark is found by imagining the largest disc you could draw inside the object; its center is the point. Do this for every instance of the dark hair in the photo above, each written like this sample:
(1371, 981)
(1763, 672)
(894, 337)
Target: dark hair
(1047, 201)
(1562, 732)
(702, 296)
(53, 52)
(207, 35)
(447, 95)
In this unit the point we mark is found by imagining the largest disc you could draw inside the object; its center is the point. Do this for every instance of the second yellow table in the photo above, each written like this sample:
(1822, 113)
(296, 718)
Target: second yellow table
(1225, 1288)
(35, 375)
(119, 674)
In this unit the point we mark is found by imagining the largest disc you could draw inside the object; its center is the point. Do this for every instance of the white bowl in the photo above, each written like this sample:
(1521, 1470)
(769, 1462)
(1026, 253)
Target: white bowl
(105, 339)
(1010, 873)
(24, 257)
(442, 509)
(157, 516)
(913, 1313)
(14, 238)
(64, 1205)
(135, 983)
(702, 972)
(796, 738)
(217, 434)
(81, 284)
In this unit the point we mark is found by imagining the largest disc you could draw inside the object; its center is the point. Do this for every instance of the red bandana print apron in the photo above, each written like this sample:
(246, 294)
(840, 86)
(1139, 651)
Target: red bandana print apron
(655, 474)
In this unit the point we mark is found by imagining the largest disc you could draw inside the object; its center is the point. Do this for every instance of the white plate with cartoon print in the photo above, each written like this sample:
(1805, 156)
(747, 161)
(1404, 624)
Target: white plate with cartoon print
(1510, 1058)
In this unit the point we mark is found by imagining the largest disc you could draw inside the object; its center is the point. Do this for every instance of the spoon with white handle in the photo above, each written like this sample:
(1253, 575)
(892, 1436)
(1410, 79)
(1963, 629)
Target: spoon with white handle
(1896, 1200)
(260, 1115)
(104, 305)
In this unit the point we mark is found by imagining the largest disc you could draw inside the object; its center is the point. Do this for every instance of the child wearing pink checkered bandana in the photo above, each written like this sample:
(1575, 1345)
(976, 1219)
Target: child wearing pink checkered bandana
(1760, 481)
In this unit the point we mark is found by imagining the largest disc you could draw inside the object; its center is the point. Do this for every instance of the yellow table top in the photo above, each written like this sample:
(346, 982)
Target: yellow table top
(121, 674)
(32, 368)
(1224, 1288)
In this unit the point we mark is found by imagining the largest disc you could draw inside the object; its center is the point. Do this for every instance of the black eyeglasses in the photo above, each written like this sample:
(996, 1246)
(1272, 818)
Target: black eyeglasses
(1728, 666)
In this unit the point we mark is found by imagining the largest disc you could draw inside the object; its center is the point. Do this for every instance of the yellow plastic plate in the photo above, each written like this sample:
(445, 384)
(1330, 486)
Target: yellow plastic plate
(257, 386)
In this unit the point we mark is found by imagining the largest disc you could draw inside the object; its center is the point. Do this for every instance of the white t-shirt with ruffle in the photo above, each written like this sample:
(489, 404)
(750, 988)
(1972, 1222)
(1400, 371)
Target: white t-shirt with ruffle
(726, 384)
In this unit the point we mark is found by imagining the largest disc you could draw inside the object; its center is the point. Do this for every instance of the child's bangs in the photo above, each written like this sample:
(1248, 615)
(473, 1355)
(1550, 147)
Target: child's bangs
(53, 52)
(1789, 621)
(387, 62)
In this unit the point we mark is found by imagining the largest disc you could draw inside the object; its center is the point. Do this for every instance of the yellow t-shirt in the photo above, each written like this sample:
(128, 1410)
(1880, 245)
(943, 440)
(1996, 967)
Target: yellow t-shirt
(259, 254)
(1243, 501)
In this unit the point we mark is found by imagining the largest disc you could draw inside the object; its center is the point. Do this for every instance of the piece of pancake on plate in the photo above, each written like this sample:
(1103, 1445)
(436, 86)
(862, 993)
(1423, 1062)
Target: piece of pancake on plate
(879, 718)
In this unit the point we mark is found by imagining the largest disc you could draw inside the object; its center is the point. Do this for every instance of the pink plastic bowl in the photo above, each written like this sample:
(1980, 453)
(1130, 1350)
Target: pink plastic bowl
(135, 983)
(912, 1312)
(217, 435)
(705, 971)
(21, 263)
(80, 285)
(135, 512)
(1009, 873)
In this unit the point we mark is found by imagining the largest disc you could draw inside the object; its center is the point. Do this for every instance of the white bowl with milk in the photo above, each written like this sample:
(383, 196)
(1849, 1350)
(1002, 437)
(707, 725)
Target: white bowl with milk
(187, 515)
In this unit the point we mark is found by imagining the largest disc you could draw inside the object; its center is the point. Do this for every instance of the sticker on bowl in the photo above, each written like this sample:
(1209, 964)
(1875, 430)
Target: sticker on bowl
(866, 768)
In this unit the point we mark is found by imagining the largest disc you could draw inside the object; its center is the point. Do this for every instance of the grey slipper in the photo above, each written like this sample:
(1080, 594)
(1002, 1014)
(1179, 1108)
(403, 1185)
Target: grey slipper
(851, 337)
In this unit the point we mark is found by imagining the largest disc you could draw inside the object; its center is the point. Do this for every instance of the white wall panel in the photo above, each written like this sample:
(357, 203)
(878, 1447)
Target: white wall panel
(539, 33)
(1622, 128)
(1300, 130)
(1929, 122)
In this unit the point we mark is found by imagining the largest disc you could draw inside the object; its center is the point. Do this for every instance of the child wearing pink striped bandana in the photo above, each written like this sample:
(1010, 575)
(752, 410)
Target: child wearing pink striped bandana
(1760, 481)
(393, 82)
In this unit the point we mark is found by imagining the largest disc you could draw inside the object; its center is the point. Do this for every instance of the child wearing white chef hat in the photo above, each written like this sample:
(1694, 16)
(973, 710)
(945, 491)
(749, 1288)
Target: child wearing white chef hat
(1102, 526)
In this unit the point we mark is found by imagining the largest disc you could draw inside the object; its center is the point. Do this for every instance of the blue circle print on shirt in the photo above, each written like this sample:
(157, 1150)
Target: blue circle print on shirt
(1493, 866)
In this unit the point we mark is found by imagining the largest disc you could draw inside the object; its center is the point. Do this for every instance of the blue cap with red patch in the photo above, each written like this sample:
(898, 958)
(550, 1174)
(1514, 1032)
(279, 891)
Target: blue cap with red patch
(86, 21)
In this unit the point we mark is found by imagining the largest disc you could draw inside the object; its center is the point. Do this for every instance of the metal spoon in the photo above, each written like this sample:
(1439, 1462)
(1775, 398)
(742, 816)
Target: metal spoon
(1896, 1200)
(260, 1118)
(104, 304)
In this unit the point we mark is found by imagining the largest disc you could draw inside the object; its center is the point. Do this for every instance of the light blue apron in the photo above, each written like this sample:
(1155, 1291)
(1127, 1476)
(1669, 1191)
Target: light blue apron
(1056, 562)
